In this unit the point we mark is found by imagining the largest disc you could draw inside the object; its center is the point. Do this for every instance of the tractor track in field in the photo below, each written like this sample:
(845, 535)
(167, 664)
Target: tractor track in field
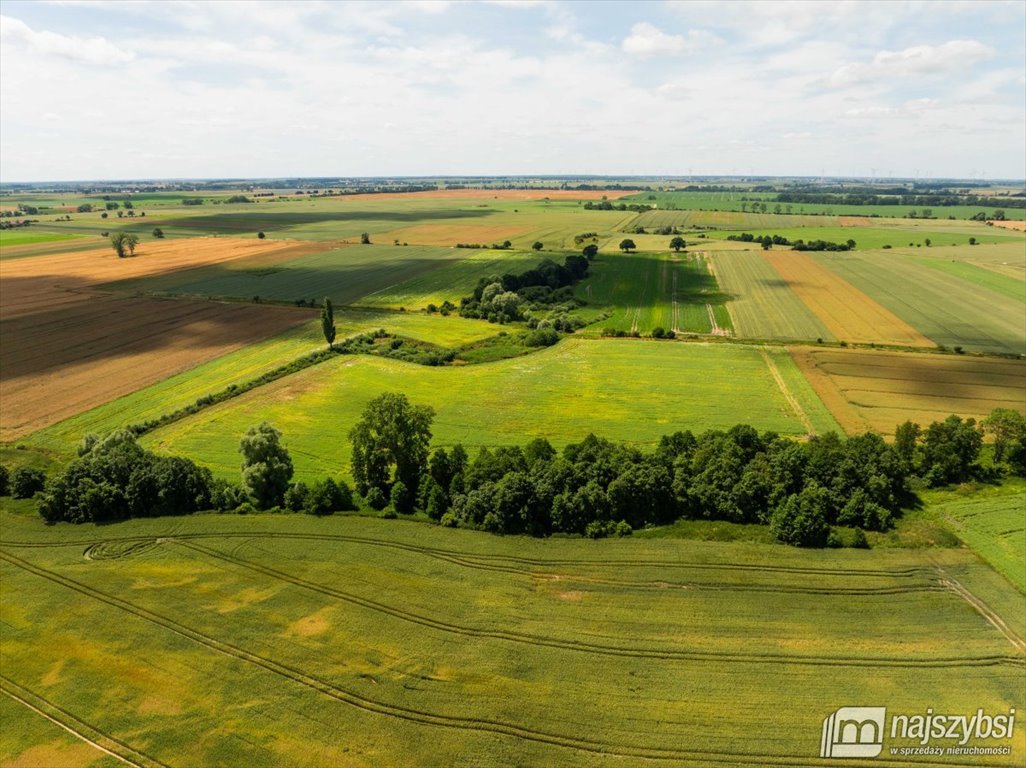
(578, 645)
(907, 572)
(951, 583)
(90, 734)
(803, 417)
(409, 714)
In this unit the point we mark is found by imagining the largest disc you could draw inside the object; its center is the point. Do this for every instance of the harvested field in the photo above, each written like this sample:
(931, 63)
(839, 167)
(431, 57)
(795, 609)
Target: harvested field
(29, 285)
(1019, 226)
(877, 390)
(848, 313)
(94, 347)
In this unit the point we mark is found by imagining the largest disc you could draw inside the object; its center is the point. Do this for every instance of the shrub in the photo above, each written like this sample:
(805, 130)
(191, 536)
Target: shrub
(27, 482)
(5, 481)
(859, 540)
(376, 499)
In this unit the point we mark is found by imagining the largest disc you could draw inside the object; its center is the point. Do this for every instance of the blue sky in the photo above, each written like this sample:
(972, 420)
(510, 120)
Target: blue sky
(138, 89)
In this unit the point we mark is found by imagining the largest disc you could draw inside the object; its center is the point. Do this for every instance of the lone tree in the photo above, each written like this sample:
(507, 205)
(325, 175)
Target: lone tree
(678, 244)
(158, 233)
(537, 245)
(590, 251)
(627, 245)
(266, 465)
(390, 446)
(328, 322)
(124, 244)
(365, 239)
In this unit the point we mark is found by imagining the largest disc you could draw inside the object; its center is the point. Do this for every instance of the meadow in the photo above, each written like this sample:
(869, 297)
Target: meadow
(365, 642)
(631, 390)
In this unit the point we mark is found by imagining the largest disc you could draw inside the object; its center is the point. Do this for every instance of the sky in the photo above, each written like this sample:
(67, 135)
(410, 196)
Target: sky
(135, 89)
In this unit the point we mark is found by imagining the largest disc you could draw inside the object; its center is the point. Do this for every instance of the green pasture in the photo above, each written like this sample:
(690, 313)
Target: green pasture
(630, 390)
(245, 365)
(343, 274)
(762, 304)
(992, 524)
(941, 303)
(291, 640)
(29, 236)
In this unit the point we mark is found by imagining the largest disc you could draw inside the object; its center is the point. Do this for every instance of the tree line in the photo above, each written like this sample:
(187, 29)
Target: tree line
(804, 491)
(768, 241)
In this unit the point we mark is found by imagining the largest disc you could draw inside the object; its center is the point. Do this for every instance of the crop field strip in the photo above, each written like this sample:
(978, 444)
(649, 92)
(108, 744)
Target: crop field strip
(762, 305)
(847, 312)
(422, 715)
(563, 408)
(946, 308)
(878, 390)
(995, 528)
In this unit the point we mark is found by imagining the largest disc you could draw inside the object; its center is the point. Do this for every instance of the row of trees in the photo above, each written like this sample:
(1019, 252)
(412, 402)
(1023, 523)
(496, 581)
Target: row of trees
(768, 241)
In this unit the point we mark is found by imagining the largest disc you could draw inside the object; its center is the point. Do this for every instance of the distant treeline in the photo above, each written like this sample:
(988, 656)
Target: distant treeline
(768, 241)
(934, 200)
(605, 205)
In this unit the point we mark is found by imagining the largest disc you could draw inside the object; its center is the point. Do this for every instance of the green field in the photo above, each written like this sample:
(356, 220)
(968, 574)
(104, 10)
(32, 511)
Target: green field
(626, 390)
(762, 305)
(343, 274)
(895, 235)
(644, 291)
(354, 641)
(940, 303)
(29, 236)
(994, 525)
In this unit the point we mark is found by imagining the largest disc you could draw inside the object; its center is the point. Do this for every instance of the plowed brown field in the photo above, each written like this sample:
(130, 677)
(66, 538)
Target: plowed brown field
(877, 390)
(67, 346)
(78, 356)
(846, 311)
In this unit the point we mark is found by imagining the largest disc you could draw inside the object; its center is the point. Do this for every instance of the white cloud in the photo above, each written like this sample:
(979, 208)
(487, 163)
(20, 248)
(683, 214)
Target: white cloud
(92, 50)
(648, 40)
(918, 60)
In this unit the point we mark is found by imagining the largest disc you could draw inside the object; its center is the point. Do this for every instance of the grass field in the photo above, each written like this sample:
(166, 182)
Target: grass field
(343, 274)
(762, 305)
(994, 526)
(623, 390)
(879, 234)
(877, 390)
(1008, 259)
(352, 641)
(28, 236)
(941, 303)
(645, 291)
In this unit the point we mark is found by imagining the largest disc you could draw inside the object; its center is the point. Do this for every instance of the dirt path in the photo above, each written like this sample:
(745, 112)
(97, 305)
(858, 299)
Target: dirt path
(949, 582)
(7, 687)
(782, 385)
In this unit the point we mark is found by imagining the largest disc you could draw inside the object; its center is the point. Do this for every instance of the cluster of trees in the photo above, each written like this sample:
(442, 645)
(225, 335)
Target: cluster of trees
(124, 243)
(504, 299)
(605, 205)
(768, 241)
(598, 487)
(114, 478)
(25, 483)
(505, 245)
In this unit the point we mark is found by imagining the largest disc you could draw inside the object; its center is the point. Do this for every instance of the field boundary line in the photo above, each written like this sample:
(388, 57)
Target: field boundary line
(6, 686)
(782, 386)
(951, 583)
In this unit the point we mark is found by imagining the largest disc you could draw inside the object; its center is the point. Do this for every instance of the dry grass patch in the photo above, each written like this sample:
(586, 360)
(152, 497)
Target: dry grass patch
(866, 389)
(847, 312)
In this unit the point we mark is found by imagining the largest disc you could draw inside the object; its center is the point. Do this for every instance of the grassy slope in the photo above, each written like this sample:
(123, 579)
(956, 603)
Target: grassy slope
(623, 390)
(615, 648)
